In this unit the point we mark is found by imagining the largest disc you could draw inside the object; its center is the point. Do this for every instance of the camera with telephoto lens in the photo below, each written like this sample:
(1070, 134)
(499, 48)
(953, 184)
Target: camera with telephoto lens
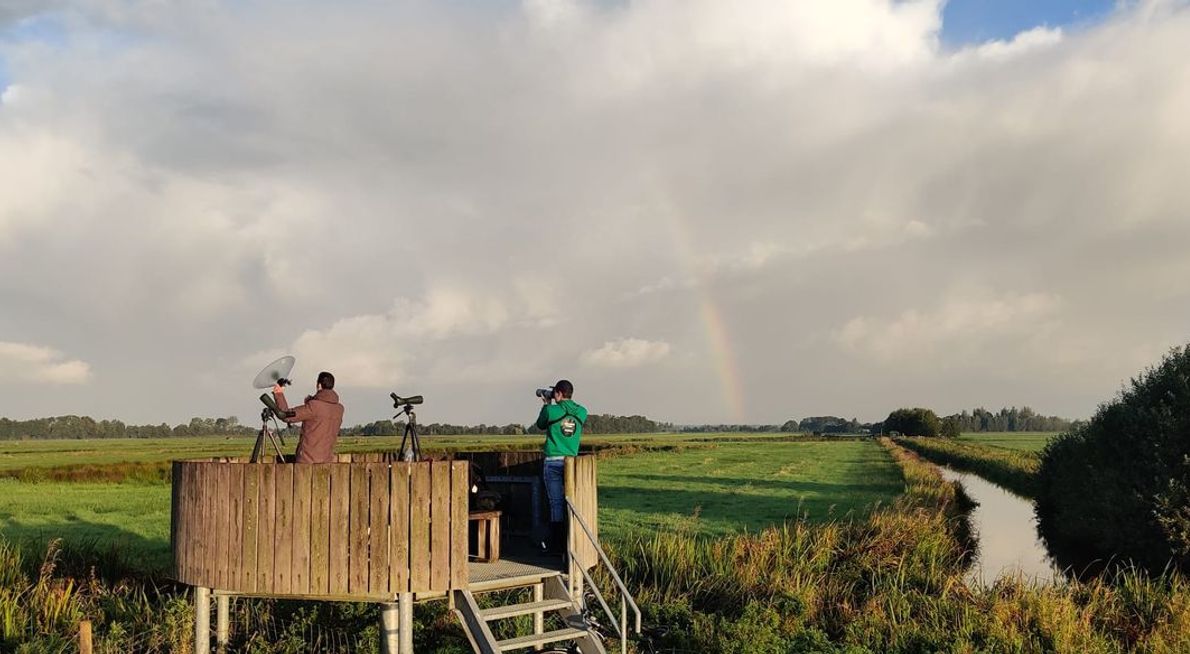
(546, 393)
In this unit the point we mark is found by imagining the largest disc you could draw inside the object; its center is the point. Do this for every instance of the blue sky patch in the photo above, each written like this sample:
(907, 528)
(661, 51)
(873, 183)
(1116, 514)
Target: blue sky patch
(975, 21)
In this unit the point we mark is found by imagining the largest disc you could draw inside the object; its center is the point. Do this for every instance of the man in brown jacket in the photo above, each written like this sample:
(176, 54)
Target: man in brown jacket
(321, 416)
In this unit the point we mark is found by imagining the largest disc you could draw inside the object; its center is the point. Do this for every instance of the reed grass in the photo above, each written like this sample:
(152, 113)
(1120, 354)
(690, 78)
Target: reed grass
(1015, 470)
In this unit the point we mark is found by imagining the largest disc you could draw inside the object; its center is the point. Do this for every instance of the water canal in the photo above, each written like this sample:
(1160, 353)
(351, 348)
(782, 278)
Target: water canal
(1007, 533)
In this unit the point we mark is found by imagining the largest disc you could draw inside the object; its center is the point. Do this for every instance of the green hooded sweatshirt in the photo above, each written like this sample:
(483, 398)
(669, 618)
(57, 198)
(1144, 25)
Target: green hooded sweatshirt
(563, 427)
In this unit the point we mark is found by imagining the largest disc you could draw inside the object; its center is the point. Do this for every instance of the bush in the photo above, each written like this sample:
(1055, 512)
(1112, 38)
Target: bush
(913, 422)
(1118, 487)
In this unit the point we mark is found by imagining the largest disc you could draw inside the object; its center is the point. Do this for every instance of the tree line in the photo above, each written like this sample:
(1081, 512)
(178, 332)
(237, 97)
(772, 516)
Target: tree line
(87, 427)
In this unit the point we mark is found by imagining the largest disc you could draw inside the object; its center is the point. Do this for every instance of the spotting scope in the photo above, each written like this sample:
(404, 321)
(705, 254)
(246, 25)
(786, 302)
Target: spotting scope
(399, 401)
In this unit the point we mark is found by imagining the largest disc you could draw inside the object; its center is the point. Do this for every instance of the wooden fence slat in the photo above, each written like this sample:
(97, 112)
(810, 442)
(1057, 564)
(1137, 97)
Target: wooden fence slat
(339, 515)
(398, 573)
(419, 527)
(440, 526)
(175, 483)
(222, 524)
(267, 529)
(283, 531)
(357, 571)
(300, 563)
(460, 485)
(320, 515)
(206, 531)
(182, 512)
(235, 534)
(251, 523)
(378, 516)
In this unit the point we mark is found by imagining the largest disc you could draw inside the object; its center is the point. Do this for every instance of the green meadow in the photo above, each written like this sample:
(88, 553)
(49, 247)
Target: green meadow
(703, 486)
(1025, 441)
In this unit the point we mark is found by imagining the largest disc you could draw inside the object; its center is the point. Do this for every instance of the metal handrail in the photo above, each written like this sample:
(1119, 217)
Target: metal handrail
(626, 597)
(599, 596)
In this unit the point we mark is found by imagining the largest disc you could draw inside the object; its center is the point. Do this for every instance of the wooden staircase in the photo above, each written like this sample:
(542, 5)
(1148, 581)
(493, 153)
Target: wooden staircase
(550, 596)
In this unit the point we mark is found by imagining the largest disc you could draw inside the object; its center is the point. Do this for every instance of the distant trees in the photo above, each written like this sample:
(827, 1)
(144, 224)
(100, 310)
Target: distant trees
(913, 422)
(831, 425)
(951, 427)
(1010, 419)
(87, 427)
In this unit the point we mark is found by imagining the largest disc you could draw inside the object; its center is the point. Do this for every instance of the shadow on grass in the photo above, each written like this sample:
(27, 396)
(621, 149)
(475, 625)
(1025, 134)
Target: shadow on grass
(111, 553)
(738, 510)
(891, 487)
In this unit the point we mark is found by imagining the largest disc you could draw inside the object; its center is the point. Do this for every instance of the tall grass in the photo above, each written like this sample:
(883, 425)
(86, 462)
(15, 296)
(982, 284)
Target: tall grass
(1015, 470)
(892, 582)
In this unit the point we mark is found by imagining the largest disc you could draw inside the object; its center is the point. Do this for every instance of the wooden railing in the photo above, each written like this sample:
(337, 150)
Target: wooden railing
(353, 530)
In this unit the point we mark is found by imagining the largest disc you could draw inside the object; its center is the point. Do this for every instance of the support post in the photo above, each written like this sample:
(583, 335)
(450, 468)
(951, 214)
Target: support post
(406, 623)
(202, 620)
(390, 628)
(85, 637)
(539, 616)
(222, 621)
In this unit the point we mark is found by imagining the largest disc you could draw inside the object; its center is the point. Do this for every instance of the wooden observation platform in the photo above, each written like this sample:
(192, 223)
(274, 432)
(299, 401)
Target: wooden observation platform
(372, 528)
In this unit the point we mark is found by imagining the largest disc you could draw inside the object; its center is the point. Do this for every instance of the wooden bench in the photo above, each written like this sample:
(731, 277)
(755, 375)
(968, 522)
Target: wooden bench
(487, 535)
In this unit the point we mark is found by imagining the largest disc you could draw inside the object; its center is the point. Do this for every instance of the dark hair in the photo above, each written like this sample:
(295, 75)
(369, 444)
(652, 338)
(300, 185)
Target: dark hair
(326, 380)
(565, 388)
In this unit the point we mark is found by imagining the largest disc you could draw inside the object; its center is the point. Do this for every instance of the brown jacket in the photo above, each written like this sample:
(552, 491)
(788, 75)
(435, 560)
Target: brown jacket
(321, 417)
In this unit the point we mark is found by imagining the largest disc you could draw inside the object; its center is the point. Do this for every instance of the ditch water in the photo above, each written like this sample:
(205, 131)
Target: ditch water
(1007, 533)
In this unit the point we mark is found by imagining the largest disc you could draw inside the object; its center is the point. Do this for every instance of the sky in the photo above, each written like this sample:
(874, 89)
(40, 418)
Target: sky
(699, 211)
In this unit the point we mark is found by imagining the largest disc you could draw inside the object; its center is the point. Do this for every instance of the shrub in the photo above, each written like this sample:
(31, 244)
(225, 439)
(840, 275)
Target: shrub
(1118, 487)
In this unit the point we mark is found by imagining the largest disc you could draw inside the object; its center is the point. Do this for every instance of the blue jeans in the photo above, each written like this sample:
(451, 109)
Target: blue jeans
(554, 475)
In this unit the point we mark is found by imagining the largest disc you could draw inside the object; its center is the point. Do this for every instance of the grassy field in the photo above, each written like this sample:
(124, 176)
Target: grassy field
(51, 453)
(1025, 441)
(843, 578)
(718, 485)
(743, 486)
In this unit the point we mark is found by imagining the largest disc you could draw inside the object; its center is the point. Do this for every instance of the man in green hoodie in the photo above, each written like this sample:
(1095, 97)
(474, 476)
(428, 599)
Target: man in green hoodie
(562, 420)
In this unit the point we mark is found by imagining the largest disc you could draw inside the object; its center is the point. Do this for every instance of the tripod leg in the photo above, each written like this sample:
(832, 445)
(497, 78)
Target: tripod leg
(280, 456)
(257, 448)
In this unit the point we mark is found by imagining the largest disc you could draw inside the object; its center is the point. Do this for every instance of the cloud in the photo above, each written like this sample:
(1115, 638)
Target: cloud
(38, 364)
(962, 326)
(797, 195)
(626, 353)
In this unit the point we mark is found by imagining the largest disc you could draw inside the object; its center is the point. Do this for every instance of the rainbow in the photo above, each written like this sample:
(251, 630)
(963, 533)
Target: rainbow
(715, 327)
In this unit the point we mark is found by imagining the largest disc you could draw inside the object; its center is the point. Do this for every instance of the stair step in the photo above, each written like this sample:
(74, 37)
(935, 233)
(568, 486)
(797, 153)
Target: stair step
(507, 583)
(541, 639)
(513, 610)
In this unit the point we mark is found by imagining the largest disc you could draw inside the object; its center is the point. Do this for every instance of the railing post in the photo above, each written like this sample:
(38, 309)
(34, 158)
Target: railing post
(202, 620)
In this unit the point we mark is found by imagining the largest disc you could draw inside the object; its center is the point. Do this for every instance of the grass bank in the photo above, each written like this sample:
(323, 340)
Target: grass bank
(1015, 470)
(891, 582)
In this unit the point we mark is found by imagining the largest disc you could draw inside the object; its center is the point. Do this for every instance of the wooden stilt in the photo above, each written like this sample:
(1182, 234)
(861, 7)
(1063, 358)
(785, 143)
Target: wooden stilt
(390, 626)
(202, 620)
(406, 623)
(222, 621)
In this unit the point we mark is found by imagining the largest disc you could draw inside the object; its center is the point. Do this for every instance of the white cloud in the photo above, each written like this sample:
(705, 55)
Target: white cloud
(38, 364)
(626, 353)
(743, 181)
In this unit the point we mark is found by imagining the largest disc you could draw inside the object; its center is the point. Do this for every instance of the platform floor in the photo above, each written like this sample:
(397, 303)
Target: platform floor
(513, 568)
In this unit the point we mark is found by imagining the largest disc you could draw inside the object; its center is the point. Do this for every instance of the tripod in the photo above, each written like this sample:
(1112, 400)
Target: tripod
(414, 451)
(266, 430)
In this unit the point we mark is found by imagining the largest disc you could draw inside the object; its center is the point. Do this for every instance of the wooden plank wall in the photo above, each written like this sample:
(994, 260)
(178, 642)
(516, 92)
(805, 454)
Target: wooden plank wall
(583, 487)
(367, 527)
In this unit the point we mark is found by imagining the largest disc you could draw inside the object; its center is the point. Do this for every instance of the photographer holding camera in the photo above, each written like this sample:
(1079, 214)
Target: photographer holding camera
(562, 420)
(321, 416)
